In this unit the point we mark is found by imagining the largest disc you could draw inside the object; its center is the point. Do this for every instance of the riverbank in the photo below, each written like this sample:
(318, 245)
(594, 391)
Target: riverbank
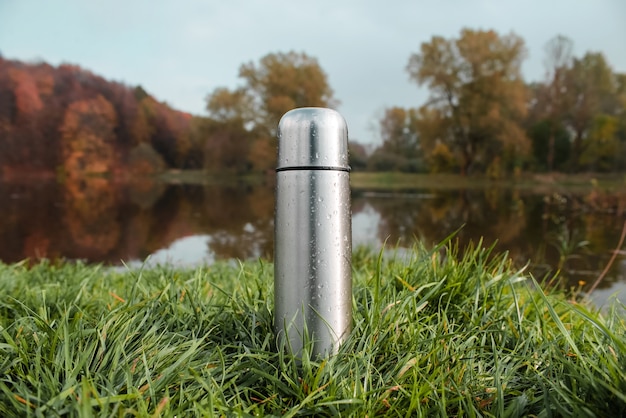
(365, 180)
(360, 181)
(448, 333)
(553, 181)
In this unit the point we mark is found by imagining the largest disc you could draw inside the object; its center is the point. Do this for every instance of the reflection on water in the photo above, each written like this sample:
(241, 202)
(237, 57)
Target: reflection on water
(185, 251)
(102, 221)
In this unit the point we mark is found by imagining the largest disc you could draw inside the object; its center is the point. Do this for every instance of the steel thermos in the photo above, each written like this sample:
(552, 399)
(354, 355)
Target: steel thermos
(313, 233)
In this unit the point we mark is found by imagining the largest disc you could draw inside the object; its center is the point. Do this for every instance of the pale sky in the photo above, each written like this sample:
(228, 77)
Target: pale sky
(180, 50)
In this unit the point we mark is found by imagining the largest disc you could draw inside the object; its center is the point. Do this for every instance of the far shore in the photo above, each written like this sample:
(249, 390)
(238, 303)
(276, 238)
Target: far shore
(359, 180)
(364, 180)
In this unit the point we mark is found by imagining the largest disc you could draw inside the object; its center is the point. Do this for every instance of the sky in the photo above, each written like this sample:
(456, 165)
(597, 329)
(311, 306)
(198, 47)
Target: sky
(181, 50)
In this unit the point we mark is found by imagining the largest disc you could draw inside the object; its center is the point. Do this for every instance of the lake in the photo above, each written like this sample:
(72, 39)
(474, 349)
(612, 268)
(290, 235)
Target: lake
(101, 221)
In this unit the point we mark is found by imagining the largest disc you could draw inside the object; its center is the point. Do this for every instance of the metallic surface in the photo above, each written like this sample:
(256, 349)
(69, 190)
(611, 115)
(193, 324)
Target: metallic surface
(313, 237)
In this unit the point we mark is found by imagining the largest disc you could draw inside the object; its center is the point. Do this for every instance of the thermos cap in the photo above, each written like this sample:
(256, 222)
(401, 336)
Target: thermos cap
(312, 138)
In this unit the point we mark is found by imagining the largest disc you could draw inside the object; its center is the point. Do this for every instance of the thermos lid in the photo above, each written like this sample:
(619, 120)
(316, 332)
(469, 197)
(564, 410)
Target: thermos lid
(312, 138)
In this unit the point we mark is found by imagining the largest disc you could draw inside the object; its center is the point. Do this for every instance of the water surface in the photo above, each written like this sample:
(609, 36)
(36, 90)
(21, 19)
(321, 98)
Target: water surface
(102, 221)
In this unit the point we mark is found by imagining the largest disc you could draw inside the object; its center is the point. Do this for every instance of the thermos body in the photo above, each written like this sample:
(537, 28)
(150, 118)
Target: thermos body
(313, 234)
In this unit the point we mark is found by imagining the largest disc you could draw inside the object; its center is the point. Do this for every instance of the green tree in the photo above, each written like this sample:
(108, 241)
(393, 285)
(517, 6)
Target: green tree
(582, 98)
(620, 81)
(478, 94)
(601, 152)
(591, 91)
(549, 139)
(557, 61)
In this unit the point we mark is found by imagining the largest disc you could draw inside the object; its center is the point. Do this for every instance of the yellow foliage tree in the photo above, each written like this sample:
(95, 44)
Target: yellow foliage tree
(276, 84)
(87, 137)
(478, 97)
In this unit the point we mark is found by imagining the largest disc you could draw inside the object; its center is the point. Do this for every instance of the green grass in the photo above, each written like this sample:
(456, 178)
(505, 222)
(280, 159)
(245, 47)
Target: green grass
(535, 181)
(400, 181)
(206, 178)
(447, 333)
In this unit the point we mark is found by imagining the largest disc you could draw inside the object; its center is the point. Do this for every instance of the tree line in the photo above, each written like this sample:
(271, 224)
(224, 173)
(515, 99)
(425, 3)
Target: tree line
(481, 116)
(68, 121)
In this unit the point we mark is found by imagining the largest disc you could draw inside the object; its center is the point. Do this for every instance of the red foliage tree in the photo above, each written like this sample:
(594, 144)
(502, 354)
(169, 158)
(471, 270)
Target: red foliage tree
(68, 117)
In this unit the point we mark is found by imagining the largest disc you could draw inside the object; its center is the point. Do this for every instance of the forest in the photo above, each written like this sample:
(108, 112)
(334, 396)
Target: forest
(67, 121)
(481, 116)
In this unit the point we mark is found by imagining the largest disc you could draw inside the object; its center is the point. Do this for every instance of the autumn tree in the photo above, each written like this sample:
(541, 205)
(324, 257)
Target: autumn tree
(27, 99)
(23, 133)
(19, 104)
(66, 116)
(276, 84)
(283, 81)
(141, 117)
(171, 136)
(478, 94)
(228, 130)
(224, 105)
(87, 144)
(400, 149)
(430, 123)
(227, 147)
(398, 131)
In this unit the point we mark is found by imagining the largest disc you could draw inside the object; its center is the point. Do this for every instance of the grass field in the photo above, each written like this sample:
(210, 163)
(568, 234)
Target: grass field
(570, 182)
(448, 333)
(398, 181)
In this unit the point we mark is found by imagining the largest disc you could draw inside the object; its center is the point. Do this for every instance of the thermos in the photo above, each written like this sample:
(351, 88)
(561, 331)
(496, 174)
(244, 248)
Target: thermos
(313, 232)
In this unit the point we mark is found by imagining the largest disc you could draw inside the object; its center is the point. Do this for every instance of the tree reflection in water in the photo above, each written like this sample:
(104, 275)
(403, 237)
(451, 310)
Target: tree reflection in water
(100, 220)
